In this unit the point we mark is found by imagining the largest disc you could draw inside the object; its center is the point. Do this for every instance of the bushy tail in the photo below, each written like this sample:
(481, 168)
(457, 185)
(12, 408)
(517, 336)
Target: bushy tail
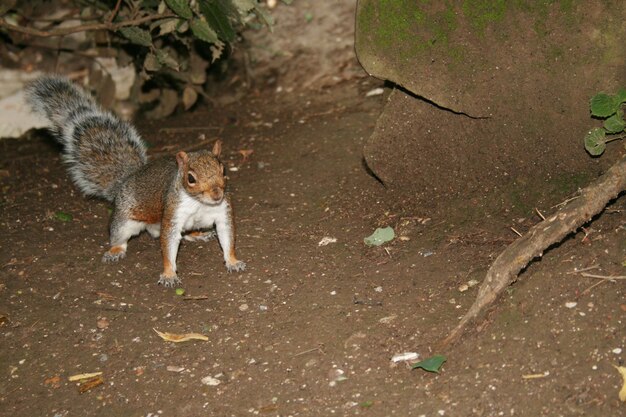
(100, 149)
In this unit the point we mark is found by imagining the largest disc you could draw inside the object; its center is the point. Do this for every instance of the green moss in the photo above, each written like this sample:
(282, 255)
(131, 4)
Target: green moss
(411, 30)
(481, 13)
(519, 198)
(569, 183)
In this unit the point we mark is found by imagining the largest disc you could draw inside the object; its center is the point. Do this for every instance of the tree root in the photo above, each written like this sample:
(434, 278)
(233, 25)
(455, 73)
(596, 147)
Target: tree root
(540, 237)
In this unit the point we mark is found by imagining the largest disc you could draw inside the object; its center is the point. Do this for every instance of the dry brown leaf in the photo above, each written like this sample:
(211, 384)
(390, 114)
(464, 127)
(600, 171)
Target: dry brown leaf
(90, 384)
(177, 338)
(53, 382)
(102, 323)
(245, 153)
(190, 96)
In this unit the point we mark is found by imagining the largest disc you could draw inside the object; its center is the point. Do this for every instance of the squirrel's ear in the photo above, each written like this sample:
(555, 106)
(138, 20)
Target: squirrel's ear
(182, 159)
(217, 148)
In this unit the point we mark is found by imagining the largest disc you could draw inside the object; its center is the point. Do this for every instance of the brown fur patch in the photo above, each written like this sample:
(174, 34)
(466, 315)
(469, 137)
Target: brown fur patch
(116, 249)
(141, 215)
(231, 255)
(168, 271)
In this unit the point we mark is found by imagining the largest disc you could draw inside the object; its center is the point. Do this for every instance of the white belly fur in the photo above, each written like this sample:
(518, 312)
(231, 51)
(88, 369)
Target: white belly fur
(192, 214)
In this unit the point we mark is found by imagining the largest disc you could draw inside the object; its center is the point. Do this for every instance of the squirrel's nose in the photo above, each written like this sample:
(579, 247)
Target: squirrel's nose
(217, 193)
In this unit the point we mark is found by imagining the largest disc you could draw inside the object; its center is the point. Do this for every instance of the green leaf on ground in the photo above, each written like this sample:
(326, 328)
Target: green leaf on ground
(595, 141)
(615, 123)
(380, 236)
(621, 95)
(136, 35)
(180, 291)
(431, 364)
(603, 105)
(64, 217)
(180, 7)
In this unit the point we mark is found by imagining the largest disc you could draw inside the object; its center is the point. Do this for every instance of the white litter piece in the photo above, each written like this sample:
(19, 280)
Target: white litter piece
(326, 240)
(375, 92)
(406, 356)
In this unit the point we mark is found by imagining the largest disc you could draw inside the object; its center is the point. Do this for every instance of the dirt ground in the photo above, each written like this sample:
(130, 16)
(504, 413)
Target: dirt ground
(307, 329)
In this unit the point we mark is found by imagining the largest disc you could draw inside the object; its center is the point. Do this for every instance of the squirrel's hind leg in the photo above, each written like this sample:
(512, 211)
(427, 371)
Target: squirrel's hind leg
(154, 230)
(121, 230)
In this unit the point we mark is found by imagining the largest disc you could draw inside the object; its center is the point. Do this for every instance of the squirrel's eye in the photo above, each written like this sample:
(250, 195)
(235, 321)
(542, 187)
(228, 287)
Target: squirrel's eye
(191, 179)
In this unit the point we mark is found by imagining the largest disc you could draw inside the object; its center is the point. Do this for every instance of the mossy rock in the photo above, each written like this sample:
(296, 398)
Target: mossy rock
(503, 87)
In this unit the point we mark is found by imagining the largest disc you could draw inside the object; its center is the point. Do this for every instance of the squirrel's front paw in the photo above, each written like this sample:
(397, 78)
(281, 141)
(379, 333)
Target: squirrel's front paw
(236, 266)
(113, 255)
(169, 281)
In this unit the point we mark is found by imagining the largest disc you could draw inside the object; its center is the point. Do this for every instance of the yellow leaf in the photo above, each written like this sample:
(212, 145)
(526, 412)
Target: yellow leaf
(80, 377)
(177, 338)
(622, 371)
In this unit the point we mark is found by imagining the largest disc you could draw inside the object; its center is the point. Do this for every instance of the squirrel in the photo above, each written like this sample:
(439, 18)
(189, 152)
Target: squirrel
(167, 197)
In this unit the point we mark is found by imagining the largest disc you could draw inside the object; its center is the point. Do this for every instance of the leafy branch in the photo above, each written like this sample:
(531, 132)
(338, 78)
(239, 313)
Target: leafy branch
(608, 108)
(171, 43)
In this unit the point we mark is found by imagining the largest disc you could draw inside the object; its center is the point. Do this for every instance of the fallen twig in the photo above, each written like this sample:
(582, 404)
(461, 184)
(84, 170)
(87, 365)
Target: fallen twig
(540, 214)
(606, 277)
(589, 268)
(603, 279)
(516, 256)
(195, 297)
(319, 348)
(188, 129)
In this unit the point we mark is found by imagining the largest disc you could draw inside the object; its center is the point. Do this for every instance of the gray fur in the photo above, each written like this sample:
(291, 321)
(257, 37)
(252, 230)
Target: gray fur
(100, 149)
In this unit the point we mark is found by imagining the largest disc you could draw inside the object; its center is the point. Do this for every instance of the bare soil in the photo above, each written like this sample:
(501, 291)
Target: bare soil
(306, 330)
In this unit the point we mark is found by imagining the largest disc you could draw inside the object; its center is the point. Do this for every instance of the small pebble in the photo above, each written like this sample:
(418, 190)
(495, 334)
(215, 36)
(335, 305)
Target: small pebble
(617, 351)
(243, 307)
(571, 304)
